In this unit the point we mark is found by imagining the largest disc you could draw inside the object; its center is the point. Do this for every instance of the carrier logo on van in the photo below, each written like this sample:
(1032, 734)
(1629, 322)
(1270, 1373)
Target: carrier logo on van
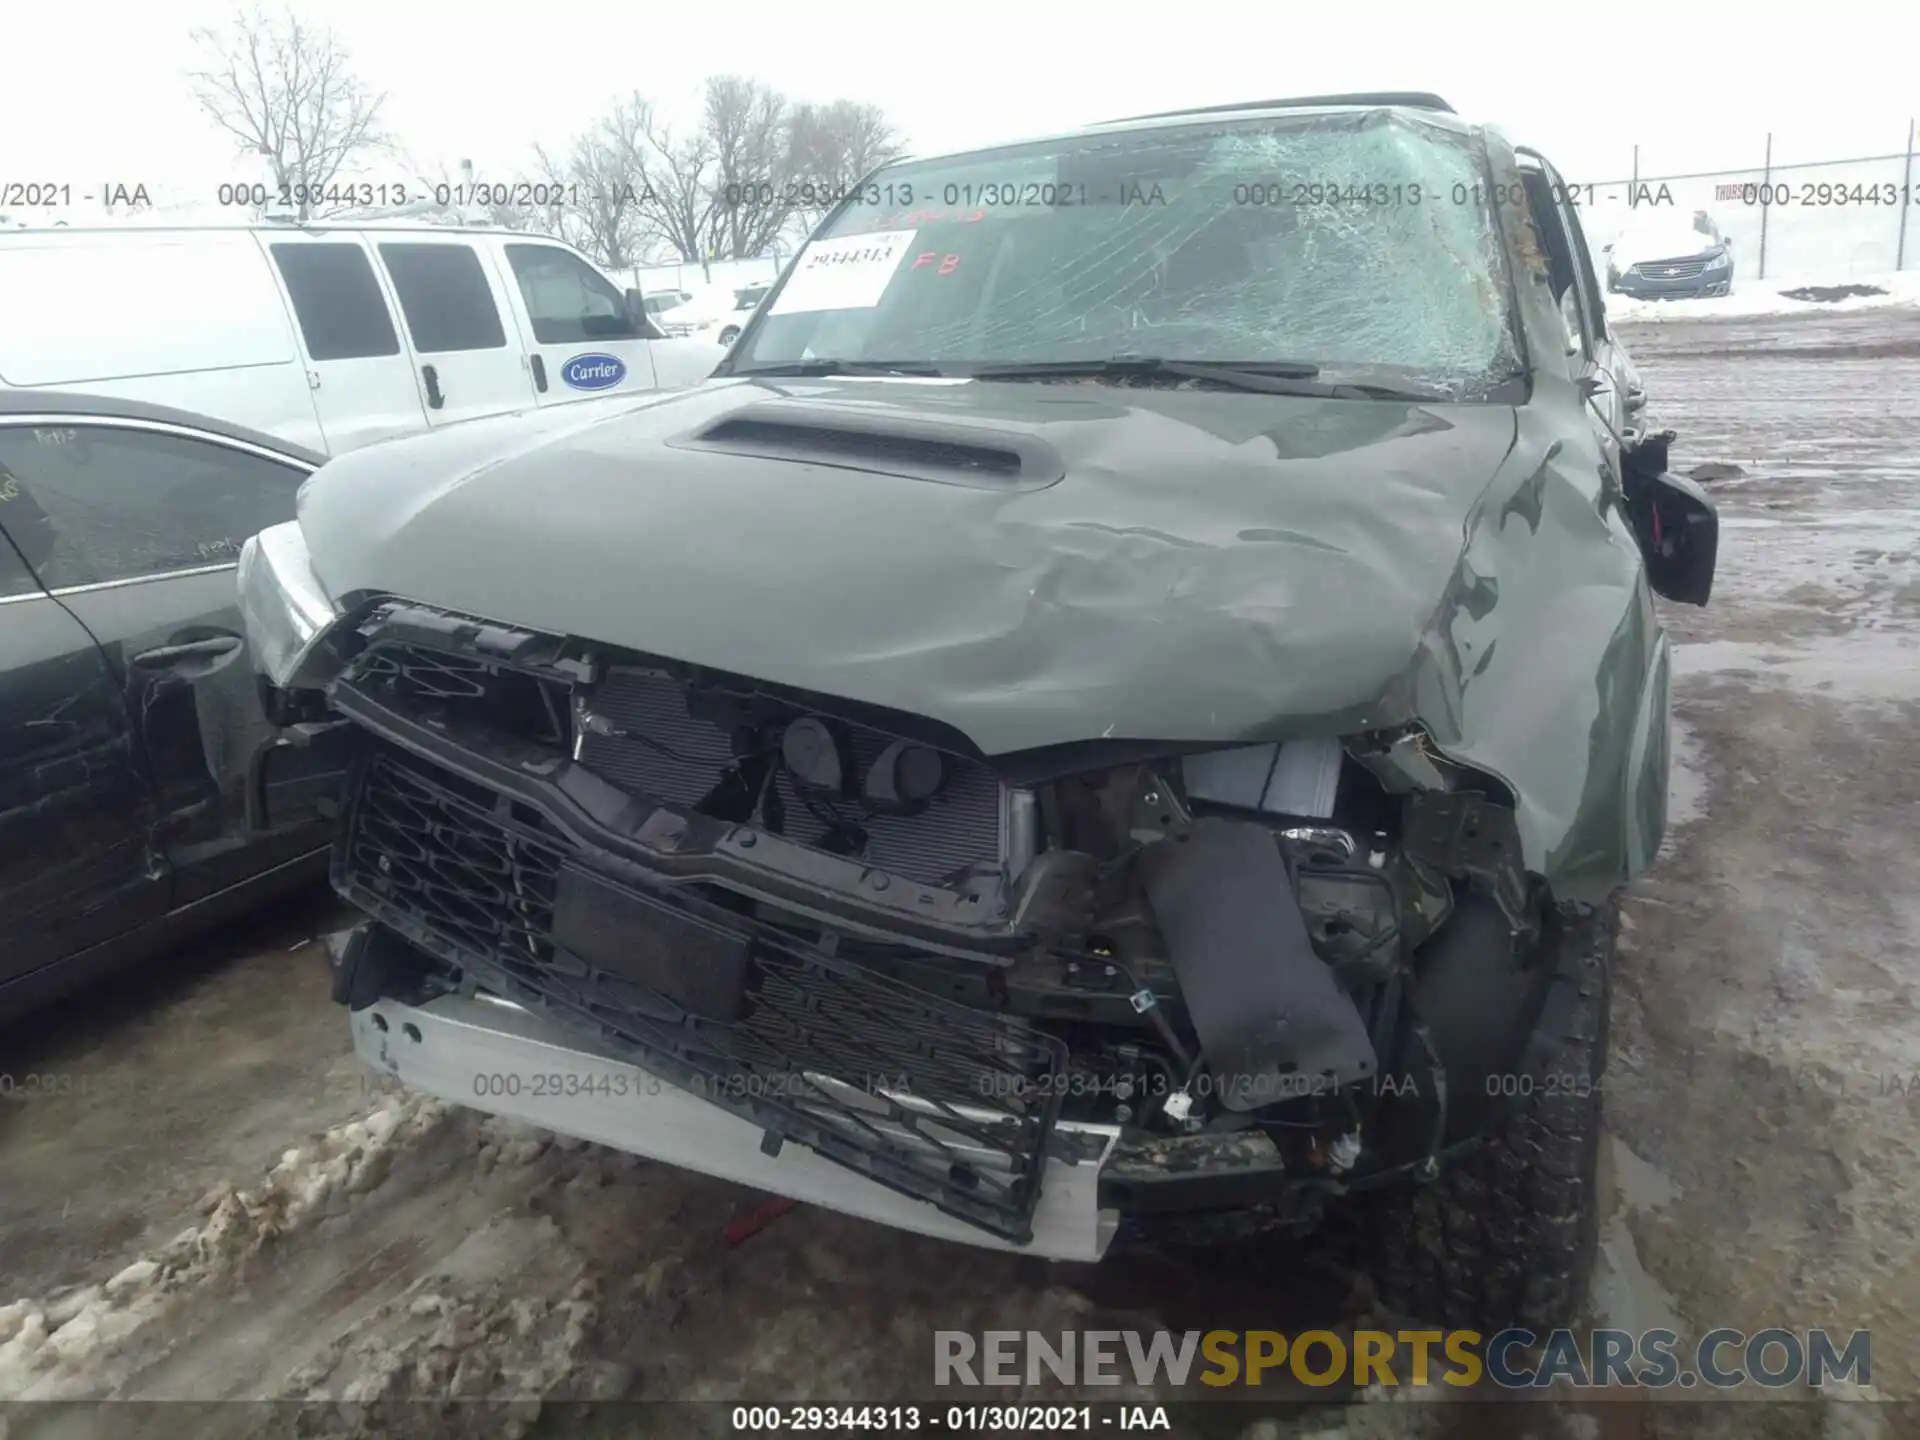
(594, 372)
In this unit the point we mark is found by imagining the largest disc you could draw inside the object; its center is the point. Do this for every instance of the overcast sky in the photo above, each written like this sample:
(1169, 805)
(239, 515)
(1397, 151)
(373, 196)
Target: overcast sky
(94, 95)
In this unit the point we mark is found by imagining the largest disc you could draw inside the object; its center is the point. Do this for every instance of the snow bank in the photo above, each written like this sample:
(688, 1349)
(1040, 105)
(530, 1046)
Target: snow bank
(45, 1343)
(1766, 297)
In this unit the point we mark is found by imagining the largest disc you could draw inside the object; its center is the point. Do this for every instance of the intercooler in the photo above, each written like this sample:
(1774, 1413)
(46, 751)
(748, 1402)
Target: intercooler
(678, 757)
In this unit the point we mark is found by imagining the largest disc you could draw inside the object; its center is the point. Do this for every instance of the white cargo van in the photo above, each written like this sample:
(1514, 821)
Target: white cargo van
(329, 335)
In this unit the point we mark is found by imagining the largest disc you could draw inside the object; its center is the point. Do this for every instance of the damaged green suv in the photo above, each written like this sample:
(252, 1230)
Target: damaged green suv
(1119, 711)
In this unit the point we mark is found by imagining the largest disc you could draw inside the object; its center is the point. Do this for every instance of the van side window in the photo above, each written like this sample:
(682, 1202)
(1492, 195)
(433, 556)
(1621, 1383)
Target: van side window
(445, 296)
(94, 502)
(568, 303)
(337, 301)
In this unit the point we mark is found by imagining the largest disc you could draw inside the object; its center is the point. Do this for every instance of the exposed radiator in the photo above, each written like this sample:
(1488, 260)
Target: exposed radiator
(963, 827)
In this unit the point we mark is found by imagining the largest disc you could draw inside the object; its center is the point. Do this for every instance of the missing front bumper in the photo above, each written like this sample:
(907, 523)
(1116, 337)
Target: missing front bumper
(939, 1101)
(492, 1056)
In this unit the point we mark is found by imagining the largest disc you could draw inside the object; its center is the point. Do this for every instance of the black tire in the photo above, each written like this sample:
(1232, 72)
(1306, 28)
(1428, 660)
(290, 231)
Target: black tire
(729, 335)
(1507, 1235)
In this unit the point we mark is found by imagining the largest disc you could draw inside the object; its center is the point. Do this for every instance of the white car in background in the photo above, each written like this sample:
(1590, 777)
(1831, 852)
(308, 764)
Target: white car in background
(746, 300)
(657, 301)
(703, 309)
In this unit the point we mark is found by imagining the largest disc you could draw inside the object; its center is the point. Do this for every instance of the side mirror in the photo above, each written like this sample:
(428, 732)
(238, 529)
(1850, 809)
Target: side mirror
(1676, 524)
(642, 321)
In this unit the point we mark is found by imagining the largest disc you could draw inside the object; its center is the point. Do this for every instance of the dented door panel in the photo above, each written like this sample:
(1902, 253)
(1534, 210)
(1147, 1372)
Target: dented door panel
(190, 685)
(141, 519)
(74, 814)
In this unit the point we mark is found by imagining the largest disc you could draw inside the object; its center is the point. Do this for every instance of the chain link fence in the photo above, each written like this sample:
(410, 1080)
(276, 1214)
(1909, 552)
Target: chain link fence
(1827, 219)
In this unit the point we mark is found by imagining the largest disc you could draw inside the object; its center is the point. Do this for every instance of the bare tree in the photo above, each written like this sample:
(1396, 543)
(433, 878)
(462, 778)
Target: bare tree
(597, 194)
(284, 90)
(754, 182)
(676, 206)
(754, 168)
(838, 145)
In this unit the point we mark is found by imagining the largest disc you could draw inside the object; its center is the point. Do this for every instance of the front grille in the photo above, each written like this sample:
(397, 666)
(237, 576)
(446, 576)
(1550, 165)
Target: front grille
(936, 1100)
(416, 673)
(1670, 269)
(962, 829)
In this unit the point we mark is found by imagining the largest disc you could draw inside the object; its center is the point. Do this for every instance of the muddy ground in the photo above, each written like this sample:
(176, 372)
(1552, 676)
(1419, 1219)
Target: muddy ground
(208, 1200)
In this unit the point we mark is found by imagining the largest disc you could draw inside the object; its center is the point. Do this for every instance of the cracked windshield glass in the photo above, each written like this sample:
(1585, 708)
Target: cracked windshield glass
(1229, 243)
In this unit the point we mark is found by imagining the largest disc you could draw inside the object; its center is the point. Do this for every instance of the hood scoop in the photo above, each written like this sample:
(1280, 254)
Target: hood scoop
(911, 446)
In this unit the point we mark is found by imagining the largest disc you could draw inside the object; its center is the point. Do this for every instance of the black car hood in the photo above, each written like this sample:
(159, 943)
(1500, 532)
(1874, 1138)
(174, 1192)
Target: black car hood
(1199, 566)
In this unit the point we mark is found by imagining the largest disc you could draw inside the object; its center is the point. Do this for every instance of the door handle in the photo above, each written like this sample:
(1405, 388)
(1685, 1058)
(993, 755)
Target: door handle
(1636, 398)
(435, 400)
(191, 661)
(539, 374)
(193, 651)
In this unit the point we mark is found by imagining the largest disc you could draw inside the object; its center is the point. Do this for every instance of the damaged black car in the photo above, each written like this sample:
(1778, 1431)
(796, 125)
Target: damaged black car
(1121, 709)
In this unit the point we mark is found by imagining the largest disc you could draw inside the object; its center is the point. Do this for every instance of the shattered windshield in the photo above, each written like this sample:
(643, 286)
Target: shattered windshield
(1352, 241)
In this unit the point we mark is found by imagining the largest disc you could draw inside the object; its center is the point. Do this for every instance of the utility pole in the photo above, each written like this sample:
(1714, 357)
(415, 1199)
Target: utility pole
(1766, 194)
(1906, 199)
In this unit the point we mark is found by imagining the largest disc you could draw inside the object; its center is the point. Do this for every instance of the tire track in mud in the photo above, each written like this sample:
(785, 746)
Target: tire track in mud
(1766, 1052)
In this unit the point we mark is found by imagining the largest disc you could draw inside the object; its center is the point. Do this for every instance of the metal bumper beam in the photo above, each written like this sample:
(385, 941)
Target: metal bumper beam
(494, 1056)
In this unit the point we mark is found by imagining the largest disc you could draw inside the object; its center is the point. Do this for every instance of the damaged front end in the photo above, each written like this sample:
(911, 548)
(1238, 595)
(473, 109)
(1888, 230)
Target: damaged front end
(1024, 997)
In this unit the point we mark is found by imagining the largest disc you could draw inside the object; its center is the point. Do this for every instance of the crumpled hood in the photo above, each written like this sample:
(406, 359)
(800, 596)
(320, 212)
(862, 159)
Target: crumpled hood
(1211, 566)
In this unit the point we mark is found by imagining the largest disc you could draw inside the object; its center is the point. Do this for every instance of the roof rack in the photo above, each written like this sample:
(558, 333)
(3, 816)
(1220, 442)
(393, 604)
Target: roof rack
(1409, 99)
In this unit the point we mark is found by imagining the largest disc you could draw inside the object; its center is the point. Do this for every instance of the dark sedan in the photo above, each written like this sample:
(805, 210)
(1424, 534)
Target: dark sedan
(128, 705)
(1663, 259)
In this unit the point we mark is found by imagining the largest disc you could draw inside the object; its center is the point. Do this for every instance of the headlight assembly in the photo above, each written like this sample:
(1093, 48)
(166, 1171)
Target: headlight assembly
(1719, 261)
(285, 607)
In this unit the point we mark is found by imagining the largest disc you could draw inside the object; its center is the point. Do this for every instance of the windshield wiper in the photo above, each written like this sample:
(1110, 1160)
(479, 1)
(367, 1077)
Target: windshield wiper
(839, 367)
(1269, 377)
(1274, 377)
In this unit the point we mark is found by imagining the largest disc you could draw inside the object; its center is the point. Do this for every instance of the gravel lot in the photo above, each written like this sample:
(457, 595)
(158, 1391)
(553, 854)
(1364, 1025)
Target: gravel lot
(222, 1206)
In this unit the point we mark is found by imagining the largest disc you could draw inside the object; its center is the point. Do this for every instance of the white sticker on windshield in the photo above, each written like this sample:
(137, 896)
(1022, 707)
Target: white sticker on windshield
(849, 272)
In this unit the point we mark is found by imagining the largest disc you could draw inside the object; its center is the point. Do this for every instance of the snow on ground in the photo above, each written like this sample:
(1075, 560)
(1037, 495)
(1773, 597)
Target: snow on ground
(1768, 297)
(49, 1347)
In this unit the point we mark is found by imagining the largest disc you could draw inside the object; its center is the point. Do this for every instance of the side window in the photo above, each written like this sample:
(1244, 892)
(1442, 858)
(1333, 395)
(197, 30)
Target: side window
(1585, 275)
(342, 314)
(25, 536)
(93, 503)
(567, 301)
(445, 296)
(1562, 271)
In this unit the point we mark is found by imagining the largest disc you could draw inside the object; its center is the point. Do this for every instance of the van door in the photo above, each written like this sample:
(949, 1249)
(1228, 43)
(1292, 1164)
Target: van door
(463, 363)
(580, 339)
(182, 317)
(362, 379)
